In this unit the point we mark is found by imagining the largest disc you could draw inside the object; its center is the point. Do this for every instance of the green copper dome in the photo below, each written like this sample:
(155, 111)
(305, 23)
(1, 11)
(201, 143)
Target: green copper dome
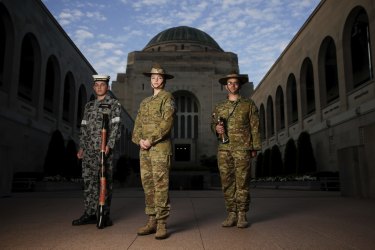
(183, 35)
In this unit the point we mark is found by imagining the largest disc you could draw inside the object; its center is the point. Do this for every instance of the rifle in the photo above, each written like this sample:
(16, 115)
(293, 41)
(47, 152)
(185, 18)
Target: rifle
(223, 137)
(103, 181)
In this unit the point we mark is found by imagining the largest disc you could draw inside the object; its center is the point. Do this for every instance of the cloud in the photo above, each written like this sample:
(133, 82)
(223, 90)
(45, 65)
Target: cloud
(81, 35)
(106, 46)
(67, 16)
(96, 15)
(256, 30)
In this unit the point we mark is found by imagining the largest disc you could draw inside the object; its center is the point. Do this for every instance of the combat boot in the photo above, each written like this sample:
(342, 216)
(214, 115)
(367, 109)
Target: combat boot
(84, 219)
(149, 228)
(242, 220)
(161, 230)
(231, 220)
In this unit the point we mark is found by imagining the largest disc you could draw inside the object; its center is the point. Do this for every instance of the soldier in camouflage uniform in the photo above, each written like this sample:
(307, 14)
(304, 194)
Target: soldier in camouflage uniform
(152, 130)
(235, 122)
(89, 148)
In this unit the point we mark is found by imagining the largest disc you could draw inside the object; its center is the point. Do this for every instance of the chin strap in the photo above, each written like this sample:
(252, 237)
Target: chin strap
(157, 87)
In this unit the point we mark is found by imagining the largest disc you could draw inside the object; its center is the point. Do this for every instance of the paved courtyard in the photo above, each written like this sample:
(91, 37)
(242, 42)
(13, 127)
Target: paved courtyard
(280, 219)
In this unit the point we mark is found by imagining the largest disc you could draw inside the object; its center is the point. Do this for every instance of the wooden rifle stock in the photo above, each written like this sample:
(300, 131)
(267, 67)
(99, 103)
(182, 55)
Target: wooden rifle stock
(103, 181)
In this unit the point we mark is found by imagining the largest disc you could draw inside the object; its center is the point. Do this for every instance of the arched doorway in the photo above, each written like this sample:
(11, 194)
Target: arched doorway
(185, 128)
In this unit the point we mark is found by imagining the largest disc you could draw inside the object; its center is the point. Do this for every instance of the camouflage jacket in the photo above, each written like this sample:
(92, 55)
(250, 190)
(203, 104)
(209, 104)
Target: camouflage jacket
(241, 124)
(90, 134)
(155, 120)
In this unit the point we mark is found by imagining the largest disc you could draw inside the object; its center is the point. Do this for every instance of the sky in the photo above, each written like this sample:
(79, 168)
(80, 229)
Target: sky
(258, 31)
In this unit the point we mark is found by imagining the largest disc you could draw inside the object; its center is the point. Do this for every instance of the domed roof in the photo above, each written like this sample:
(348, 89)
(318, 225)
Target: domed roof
(183, 34)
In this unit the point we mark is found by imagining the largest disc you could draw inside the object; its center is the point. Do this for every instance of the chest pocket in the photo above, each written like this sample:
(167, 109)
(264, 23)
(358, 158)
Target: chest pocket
(154, 111)
(104, 108)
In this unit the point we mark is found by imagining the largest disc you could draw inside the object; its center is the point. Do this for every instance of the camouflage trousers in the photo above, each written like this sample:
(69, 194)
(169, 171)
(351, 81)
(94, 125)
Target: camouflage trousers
(90, 174)
(234, 167)
(155, 168)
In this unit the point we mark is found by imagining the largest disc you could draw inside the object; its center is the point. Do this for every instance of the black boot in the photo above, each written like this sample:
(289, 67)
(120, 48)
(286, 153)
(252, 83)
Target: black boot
(107, 222)
(84, 219)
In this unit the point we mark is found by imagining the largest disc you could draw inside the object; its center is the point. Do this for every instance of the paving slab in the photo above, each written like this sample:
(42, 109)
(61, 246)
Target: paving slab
(280, 219)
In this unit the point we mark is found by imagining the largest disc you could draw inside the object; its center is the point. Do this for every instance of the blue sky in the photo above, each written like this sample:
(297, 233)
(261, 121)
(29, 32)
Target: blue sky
(256, 30)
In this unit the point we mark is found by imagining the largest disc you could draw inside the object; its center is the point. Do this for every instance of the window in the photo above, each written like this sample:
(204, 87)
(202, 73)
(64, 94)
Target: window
(186, 120)
(292, 107)
(280, 115)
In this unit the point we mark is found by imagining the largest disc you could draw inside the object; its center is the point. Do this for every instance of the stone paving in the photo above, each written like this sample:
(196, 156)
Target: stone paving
(280, 219)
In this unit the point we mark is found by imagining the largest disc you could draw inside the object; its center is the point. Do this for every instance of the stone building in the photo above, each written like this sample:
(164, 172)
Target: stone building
(45, 81)
(197, 62)
(323, 83)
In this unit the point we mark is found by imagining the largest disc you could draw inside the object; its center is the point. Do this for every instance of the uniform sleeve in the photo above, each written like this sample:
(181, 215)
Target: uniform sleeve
(137, 130)
(168, 110)
(114, 124)
(83, 134)
(254, 126)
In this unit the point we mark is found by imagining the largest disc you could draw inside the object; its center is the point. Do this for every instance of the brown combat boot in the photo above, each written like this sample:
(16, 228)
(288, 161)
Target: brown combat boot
(231, 220)
(161, 230)
(149, 228)
(242, 220)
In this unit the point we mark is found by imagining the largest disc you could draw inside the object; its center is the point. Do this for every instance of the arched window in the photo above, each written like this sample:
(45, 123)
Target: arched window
(270, 118)
(307, 88)
(68, 99)
(357, 48)
(186, 120)
(329, 83)
(82, 99)
(51, 85)
(280, 113)
(29, 66)
(292, 108)
(360, 49)
(262, 122)
(6, 47)
(3, 44)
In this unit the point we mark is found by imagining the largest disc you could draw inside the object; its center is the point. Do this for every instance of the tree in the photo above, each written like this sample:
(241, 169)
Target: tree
(266, 162)
(54, 160)
(72, 168)
(290, 158)
(123, 169)
(306, 162)
(258, 165)
(276, 162)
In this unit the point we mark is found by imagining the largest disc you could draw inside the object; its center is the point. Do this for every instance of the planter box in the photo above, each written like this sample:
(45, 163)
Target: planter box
(294, 185)
(56, 186)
